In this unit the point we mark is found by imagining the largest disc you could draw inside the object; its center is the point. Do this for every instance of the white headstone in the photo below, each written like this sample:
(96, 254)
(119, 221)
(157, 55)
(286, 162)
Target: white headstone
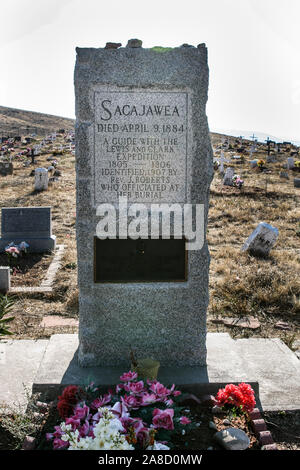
(261, 240)
(41, 179)
(222, 160)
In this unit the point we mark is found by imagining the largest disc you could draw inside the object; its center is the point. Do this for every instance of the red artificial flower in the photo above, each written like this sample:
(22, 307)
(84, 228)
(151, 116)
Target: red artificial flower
(69, 398)
(241, 395)
(64, 409)
(70, 394)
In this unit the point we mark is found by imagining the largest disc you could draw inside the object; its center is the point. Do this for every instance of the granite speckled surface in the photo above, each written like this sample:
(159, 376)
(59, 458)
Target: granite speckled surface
(163, 320)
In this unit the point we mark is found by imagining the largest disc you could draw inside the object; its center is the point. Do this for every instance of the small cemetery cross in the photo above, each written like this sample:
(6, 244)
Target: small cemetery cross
(268, 144)
(32, 156)
(222, 161)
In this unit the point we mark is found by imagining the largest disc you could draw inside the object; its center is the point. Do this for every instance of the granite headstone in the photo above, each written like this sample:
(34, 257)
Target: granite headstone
(141, 133)
(4, 279)
(261, 240)
(30, 224)
(6, 168)
(229, 173)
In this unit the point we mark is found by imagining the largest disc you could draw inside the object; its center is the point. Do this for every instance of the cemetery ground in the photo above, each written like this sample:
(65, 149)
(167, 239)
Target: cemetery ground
(249, 296)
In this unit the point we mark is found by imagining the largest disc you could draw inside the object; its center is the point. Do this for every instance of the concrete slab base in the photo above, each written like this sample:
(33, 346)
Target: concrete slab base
(19, 363)
(265, 363)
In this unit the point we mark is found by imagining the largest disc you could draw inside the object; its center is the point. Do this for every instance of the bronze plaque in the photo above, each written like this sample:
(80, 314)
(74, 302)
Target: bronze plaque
(140, 260)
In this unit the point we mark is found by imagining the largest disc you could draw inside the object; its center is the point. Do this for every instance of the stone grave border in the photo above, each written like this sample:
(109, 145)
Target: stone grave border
(260, 429)
(256, 421)
(47, 283)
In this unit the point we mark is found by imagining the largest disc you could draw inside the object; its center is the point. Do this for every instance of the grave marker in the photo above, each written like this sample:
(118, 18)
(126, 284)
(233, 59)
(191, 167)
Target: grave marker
(6, 168)
(141, 133)
(222, 161)
(261, 240)
(30, 224)
(290, 163)
(4, 279)
(227, 181)
(41, 180)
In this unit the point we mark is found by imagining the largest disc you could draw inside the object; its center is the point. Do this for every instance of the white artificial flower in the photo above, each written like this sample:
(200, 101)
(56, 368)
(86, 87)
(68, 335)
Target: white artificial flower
(106, 431)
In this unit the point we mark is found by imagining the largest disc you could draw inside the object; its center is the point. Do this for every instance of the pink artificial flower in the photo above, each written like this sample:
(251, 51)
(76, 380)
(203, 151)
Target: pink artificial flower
(148, 399)
(127, 422)
(139, 427)
(131, 401)
(60, 444)
(84, 429)
(120, 410)
(160, 390)
(13, 251)
(184, 420)
(58, 432)
(176, 393)
(169, 402)
(128, 376)
(163, 419)
(119, 387)
(81, 412)
(135, 387)
(101, 401)
(75, 422)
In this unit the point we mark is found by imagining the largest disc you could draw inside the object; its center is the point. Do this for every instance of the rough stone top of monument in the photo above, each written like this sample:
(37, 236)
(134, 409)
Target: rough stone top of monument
(30, 221)
(134, 43)
(113, 45)
(133, 64)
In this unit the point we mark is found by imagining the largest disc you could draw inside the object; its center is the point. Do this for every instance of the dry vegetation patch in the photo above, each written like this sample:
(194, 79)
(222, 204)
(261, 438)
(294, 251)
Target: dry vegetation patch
(240, 285)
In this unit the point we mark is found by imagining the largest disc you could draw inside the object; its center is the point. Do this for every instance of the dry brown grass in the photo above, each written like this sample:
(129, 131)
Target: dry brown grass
(240, 285)
(17, 190)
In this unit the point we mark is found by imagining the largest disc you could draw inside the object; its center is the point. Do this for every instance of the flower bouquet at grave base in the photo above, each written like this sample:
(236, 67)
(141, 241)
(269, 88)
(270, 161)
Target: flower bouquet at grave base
(236, 399)
(237, 181)
(136, 415)
(15, 251)
(297, 165)
(261, 164)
